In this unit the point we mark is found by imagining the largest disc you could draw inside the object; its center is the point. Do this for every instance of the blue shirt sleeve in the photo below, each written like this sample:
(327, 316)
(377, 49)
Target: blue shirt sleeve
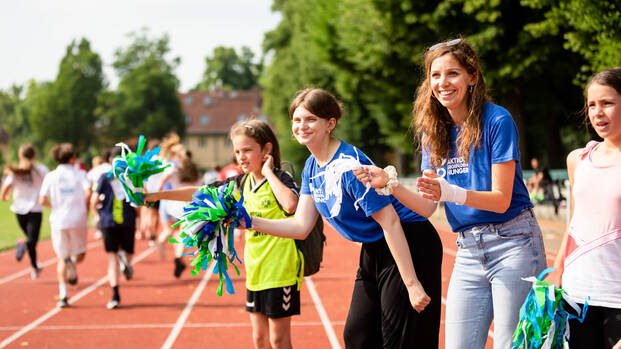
(424, 163)
(504, 140)
(372, 202)
(304, 189)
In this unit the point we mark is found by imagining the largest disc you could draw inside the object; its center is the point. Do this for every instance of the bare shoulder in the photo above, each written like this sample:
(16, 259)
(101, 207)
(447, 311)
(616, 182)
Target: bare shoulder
(574, 157)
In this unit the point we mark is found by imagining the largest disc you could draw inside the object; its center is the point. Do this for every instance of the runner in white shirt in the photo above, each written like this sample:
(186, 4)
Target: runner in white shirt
(66, 191)
(25, 180)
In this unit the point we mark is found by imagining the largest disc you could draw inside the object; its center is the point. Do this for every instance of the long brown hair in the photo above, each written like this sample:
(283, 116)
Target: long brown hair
(432, 121)
(261, 132)
(26, 155)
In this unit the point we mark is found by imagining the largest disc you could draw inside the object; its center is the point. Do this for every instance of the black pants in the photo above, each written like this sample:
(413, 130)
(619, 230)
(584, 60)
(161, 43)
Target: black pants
(601, 329)
(380, 314)
(31, 226)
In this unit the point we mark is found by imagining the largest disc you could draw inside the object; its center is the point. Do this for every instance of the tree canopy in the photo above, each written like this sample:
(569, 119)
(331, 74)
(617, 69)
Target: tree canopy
(146, 100)
(231, 71)
(369, 52)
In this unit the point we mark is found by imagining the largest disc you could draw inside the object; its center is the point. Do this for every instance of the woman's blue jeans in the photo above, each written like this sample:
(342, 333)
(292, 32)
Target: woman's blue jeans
(487, 281)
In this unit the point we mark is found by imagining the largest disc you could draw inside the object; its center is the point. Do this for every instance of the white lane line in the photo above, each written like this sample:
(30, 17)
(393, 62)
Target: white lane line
(188, 308)
(41, 264)
(327, 325)
(170, 325)
(72, 300)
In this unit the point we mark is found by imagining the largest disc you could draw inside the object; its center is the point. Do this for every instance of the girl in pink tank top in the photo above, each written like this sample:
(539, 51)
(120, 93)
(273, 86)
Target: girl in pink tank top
(590, 255)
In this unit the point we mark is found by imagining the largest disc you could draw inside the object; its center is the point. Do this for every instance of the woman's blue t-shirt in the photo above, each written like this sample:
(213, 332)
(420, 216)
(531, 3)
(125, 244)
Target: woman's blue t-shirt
(499, 143)
(354, 225)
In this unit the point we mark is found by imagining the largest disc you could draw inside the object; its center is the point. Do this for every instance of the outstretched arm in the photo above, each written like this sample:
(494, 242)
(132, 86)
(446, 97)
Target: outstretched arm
(297, 227)
(411, 199)
(180, 194)
(496, 200)
(399, 248)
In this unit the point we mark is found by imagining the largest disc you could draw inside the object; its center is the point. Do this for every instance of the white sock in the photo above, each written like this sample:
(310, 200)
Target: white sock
(62, 291)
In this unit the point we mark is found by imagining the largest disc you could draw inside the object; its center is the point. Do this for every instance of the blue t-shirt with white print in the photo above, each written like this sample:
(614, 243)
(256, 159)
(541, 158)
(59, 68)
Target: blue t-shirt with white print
(499, 143)
(354, 225)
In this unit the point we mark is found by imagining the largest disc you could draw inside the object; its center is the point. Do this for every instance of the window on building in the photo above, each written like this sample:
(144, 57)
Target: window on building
(202, 141)
(188, 100)
(241, 117)
(263, 117)
(204, 119)
(207, 100)
(188, 119)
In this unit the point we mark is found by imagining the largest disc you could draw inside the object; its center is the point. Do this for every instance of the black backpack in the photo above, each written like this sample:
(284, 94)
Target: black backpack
(311, 247)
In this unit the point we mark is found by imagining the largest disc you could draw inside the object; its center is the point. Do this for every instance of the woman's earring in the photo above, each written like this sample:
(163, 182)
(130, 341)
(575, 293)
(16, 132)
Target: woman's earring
(471, 88)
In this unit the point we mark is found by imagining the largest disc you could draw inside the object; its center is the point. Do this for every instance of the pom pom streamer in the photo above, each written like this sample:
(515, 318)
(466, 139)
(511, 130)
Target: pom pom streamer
(543, 319)
(207, 224)
(332, 175)
(133, 169)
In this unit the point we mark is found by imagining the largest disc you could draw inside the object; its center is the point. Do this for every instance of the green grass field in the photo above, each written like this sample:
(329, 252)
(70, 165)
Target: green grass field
(10, 230)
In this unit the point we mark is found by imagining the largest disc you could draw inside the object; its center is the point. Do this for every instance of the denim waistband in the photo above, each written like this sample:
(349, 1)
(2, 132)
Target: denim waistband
(494, 227)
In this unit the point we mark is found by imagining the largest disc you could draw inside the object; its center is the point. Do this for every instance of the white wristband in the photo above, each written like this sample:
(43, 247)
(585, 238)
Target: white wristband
(393, 181)
(451, 192)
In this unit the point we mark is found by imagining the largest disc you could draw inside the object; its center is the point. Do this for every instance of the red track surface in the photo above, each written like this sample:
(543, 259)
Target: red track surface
(159, 311)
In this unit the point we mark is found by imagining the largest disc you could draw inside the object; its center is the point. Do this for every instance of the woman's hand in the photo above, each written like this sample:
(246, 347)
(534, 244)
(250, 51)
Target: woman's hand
(418, 298)
(428, 187)
(372, 174)
(268, 165)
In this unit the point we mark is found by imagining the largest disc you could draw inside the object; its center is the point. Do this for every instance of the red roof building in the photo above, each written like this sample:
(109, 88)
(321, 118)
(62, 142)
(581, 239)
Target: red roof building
(209, 117)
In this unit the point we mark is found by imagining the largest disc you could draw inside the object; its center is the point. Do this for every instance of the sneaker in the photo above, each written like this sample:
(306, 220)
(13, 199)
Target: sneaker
(126, 267)
(63, 303)
(113, 304)
(20, 248)
(71, 273)
(34, 273)
(151, 240)
(179, 267)
(97, 235)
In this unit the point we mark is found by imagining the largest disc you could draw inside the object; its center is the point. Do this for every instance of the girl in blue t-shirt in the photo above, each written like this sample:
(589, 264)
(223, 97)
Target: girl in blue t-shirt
(471, 161)
(389, 294)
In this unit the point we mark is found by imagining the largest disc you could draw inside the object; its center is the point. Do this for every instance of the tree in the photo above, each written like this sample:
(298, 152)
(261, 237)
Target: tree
(371, 51)
(590, 28)
(146, 100)
(226, 69)
(63, 111)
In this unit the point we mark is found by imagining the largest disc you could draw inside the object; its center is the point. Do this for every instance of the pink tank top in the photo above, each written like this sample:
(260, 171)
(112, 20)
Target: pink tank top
(593, 254)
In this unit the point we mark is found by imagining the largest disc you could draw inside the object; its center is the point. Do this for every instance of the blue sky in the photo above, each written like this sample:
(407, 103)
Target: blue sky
(35, 33)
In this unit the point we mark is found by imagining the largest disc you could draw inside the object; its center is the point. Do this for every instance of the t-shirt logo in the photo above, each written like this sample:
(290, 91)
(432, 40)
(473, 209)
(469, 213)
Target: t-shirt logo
(317, 193)
(454, 166)
(265, 203)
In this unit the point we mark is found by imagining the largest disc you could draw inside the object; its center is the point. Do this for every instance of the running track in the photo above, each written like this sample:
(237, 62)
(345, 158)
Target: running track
(158, 311)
